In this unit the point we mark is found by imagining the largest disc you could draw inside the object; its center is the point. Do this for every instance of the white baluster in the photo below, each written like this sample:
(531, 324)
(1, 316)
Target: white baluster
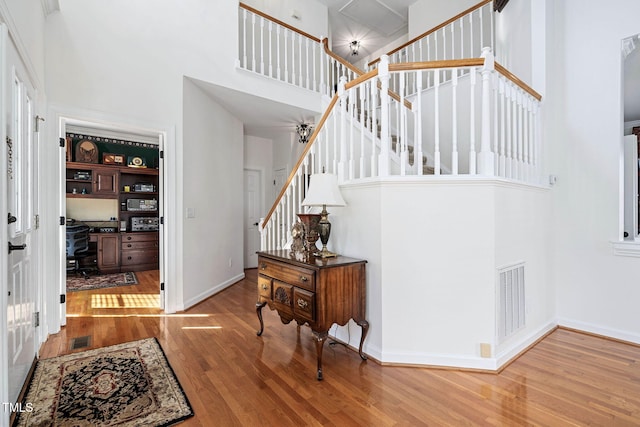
(244, 38)
(436, 124)
(286, 56)
(374, 126)
(501, 160)
(509, 133)
(462, 38)
(402, 142)
(300, 79)
(494, 132)
(454, 123)
(471, 45)
(342, 163)
(444, 42)
(271, 49)
(307, 64)
(293, 58)
(278, 43)
(383, 75)
(485, 163)
(315, 80)
(417, 145)
(481, 29)
(520, 137)
(527, 139)
(363, 96)
(262, 45)
(453, 43)
(253, 42)
(472, 124)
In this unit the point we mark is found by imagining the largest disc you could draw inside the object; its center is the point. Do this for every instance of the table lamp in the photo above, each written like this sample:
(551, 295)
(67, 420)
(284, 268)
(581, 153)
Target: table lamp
(324, 191)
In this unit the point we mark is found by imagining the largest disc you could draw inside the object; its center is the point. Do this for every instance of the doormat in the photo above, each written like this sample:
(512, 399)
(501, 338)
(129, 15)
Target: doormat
(101, 281)
(130, 384)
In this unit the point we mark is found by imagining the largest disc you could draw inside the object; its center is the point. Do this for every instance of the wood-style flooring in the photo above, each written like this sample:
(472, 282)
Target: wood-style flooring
(233, 377)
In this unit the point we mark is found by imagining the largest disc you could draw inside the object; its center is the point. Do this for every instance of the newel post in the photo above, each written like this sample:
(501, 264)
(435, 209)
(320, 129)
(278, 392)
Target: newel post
(485, 157)
(385, 145)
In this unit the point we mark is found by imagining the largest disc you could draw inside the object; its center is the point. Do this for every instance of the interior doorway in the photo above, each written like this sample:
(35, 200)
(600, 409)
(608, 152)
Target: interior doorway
(113, 194)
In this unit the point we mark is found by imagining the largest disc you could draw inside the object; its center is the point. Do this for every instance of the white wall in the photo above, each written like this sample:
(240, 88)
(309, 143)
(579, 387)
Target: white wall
(213, 189)
(313, 16)
(433, 249)
(596, 290)
(513, 38)
(128, 59)
(426, 14)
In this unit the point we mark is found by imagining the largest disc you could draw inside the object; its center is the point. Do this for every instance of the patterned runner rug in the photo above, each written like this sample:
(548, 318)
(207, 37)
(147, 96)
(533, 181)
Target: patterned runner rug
(102, 281)
(130, 384)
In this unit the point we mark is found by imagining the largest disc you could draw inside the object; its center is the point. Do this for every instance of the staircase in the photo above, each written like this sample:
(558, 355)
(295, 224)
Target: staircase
(462, 116)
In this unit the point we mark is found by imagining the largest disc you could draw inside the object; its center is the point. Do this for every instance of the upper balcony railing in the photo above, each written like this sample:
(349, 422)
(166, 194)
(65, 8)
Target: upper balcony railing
(272, 48)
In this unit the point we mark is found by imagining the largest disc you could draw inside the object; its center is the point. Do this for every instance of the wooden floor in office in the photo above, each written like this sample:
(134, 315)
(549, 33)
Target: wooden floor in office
(233, 377)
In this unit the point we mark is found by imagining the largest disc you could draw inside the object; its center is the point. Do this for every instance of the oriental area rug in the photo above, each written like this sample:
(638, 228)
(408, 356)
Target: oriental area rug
(130, 384)
(102, 281)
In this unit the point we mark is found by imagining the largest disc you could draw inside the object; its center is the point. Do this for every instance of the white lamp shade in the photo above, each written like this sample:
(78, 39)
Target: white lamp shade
(323, 190)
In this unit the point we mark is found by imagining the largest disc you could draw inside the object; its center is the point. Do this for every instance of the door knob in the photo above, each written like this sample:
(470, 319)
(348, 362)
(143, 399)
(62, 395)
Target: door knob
(12, 219)
(13, 247)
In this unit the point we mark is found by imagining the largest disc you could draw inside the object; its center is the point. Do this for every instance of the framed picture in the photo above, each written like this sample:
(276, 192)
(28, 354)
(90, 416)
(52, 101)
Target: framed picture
(86, 152)
(112, 159)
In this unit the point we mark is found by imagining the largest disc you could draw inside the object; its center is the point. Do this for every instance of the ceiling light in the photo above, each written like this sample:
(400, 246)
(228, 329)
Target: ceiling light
(354, 46)
(304, 132)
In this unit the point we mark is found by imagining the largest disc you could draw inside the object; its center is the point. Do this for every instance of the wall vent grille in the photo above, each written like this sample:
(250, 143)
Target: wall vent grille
(511, 301)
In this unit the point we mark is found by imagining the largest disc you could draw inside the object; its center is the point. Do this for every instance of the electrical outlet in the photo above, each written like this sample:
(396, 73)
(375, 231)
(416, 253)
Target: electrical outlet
(485, 349)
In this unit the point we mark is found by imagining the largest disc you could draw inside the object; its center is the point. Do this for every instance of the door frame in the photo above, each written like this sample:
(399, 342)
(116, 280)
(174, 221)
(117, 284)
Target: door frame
(261, 196)
(165, 135)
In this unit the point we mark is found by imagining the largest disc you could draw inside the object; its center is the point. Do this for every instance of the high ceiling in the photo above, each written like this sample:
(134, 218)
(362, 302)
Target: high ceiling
(374, 23)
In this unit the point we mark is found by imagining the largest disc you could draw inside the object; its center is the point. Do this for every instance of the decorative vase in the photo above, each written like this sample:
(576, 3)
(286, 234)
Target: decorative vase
(310, 222)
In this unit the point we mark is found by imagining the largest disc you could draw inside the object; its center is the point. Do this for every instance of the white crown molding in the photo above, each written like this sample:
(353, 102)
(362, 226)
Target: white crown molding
(50, 6)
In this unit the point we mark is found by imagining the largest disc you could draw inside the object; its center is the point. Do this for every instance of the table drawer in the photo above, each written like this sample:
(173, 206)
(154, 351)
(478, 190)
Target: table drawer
(138, 256)
(139, 237)
(264, 287)
(294, 275)
(149, 244)
(304, 304)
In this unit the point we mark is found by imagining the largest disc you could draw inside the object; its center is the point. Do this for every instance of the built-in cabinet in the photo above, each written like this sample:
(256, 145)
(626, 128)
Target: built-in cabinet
(132, 245)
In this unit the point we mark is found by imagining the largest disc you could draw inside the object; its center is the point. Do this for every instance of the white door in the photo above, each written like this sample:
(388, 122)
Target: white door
(252, 211)
(22, 183)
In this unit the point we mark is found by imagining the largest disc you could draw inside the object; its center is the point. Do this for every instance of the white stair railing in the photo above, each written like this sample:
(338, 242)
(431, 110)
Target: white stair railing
(274, 49)
(477, 119)
(463, 36)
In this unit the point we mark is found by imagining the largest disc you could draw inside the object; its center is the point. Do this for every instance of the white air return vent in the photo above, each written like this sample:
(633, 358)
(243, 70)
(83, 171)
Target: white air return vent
(375, 15)
(511, 300)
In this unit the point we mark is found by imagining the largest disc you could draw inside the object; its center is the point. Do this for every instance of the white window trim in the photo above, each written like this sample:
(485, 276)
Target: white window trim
(631, 249)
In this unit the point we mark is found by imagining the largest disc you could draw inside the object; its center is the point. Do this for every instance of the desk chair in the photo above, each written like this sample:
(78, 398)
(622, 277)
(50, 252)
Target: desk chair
(78, 251)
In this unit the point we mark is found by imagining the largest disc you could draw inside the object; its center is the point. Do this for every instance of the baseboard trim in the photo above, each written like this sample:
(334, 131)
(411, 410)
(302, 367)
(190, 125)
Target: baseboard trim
(212, 291)
(598, 331)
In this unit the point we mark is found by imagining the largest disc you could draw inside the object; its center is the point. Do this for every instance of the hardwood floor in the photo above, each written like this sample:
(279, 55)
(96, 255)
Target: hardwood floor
(233, 377)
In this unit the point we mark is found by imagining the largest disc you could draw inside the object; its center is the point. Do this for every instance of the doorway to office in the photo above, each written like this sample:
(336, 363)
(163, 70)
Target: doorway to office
(113, 194)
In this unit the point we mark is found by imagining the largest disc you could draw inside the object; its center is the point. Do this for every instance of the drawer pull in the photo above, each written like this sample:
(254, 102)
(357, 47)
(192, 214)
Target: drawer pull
(265, 287)
(129, 245)
(129, 258)
(263, 266)
(303, 278)
(302, 303)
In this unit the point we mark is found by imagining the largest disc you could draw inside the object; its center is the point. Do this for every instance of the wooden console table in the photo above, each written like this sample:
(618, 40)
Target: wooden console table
(319, 292)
